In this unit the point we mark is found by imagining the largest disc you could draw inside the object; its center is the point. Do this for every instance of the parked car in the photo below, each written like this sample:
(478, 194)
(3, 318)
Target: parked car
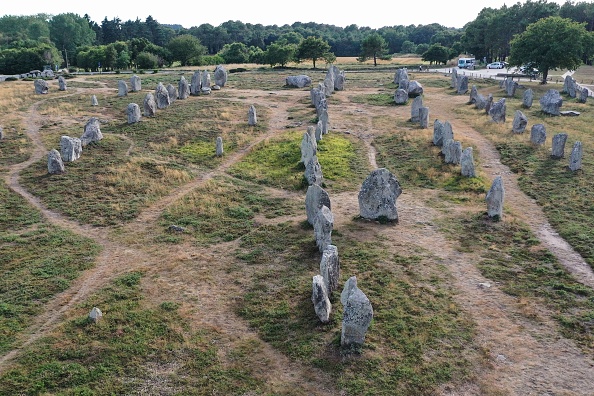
(497, 65)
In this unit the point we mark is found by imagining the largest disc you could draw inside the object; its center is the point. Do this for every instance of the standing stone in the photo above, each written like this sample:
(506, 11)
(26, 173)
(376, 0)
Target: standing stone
(480, 102)
(70, 148)
(454, 80)
(183, 88)
(467, 163)
(438, 133)
(62, 84)
(583, 94)
(330, 268)
(462, 85)
(497, 111)
(315, 198)
(414, 109)
(424, 117)
(378, 194)
(400, 96)
(323, 225)
(316, 96)
(313, 172)
(510, 87)
(41, 86)
(575, 160)
(205, 83)
(559, 141)
(133, 111)
(54, 163)
(172, 92)
(551, 102)
(356, 318)
(195, 84)
(473, 95)
(538, 134)
(448, 134)
(569, 86)
(309, 146)
(252, 117)
(299, 81)
(528, 98)
(122, 88)
(489, 103)
(135, 83)
(494, 199)
(414, 89)
(319, 131)
(319, 298)
(94, 101)
(162, 96)
(323, 119)
(95, 315)
(92, 132)
(519, 123)
(219, 146)
(401, 78)
(339, 81)
(220, 76)
(149, 105)
(349, 286)
(453, 152)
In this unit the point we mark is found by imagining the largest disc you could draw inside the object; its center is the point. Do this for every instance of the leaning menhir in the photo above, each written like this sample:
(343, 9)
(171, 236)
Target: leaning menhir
(378, 194)
(357, 315)
(414, 89)
(54, 162)
(323, 225)
(320, 300)
(70, 148)
(330, 268)
(494, 198)
(92, 132)
(315, 198)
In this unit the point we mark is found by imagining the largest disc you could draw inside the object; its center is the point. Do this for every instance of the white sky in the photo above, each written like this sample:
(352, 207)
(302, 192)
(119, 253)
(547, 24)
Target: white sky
(449, 13)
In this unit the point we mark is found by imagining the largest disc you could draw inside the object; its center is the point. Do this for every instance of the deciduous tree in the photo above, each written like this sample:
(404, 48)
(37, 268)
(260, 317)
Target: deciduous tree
(313, 48)
(373, 46)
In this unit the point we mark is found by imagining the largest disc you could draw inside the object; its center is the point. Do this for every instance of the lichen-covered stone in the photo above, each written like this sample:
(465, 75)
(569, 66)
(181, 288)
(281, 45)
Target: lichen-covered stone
(497, 111)
(149, 105)
(94, 101)
(41, 86)
(219, 146)
(551, 102)
(320, 300)
(356, 318)
(467, 163)
(196, 83)
(400, 96)
(414, 109)
(309, 146)
(122, 88)
(519, 123)
(162, 96)
(135, 83)
(378, 194)
(95, 315)
(70, 148)
(172, 92)
(183, 88)
(538, 134)
(92, 132)
(313, 172)
(299, 81)
(54, 162)
(414, 89)
(559, 141)
(528, 98)
(401, 78)
(494, 198)
(62, 86)
(424, 117)
(323, 225)
(315, 198)
(452, 152)
(330, 268)
(510, 87)
(133, 112)
(462, 85)
(454, 79)
(575, 160)
(220, 76)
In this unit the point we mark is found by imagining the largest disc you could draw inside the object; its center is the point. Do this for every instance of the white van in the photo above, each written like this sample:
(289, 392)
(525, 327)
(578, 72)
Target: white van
(466, 63)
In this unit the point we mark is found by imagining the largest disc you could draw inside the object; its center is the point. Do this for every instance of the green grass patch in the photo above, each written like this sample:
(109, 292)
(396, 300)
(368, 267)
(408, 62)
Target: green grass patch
(15, 212)
(378, 99)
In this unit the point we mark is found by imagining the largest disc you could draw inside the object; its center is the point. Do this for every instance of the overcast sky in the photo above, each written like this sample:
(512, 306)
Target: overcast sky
(416, 12)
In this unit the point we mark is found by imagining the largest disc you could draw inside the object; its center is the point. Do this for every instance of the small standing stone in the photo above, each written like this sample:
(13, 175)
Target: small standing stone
(70, 148)
(559, 141)
(162, 96)
(309, 146)
(1, 133)
(462, 85)
(378, 194)
(62, 86)
(356, 318)
(252, 117)
(313, 172)
(528, 98)
(538, 134)
(205, 83)
(315, 198)
(497, 111)
(149, 105)
(495, 197)
(95, 315)
(92, 132)
(510, 87)
(323, 225)
(551, 102)
(54, 163)
(438, 133)
(135, 83)
(519, 123)
(467, 163)
(414, 89)
(320, 300)
(454, 79)
(330, 268)
(172, 91)
(453, 152)
(219, 148)
(220, 76)
(414, 108)
(489, 103)
(195, 84)
(41, 86)
(122, 88)
(424, 117)
(400, 96)
(133, 112)
(183, 88)
(94, 101)
(575, 160)
(583, 95)
(473, 95)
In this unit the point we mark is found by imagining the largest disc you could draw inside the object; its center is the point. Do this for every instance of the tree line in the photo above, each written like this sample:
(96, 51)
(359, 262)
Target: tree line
(30, 42)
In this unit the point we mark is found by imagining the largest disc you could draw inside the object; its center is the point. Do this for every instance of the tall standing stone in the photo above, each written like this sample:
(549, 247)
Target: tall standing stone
(519, 123)
(41, 86)
(414, 109)
(122, 88)
(62, 84)
(315, 198)
(70, 148)
(453, 152)
(495, 197)
(133, 112)
(313, 172)
(559, 141)
(54, 163)
(94, 101)
(467, 163)
(320, 300)
(172, 92)
(356, 318)
(551, 102)
(135, 84)
(149, 105)
(205, 83)
(323, 119)
(323, 225)
(473, 95)
(330, 268)
(489, 103)
(401, 78)
(378, 194)
(219, 146)
(583, 94)
(252, 117)
(162, 96)
(92, 132)
(510, 86)
(462, 85)
(424, 117)
(448, 133)
(575, 160)
(497, 111)
(195, 84)
(438, 133)
(183, 88)
(528, 98)
(309, 146)
(538, 134)
(220, 76)
(454, 79)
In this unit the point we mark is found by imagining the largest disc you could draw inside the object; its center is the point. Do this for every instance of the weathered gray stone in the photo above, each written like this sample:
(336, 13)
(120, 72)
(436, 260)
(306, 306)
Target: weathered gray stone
(378, 194)
(400, 96)
(219, 146)
(339, 81)
(1, 133)
(438, 133)
(70, 148)
(494, 198)
(347, 289)
(323, 119)
(322, 107)
(252, 116)
(54, 163)
(575, 160)
(414, 108)
(323, 225)
(135, 83)
(313, 172)
(570, 86)
(480, 102)
(424, 117)
(299, 81)
(569, 113)
(183, 88)
(149, 105)
(319, 298)
(316, 96)
(452, 151)
(497, 111)
(538, 134)
(122, 88)
(41, 86)
(94, 101)
(62, 86)
(92, 132)
(414, 89)
(133, 112)
(473, 95)
(489, 103)
(172, 92)
(328, 85)
(330, 268)
(551, 102)
(401, 78)
(205, 83)
(162, 96)
(520, 122)
(462, 85)
(446, 135)
(309, 146)
(95, 315)
(454, 79)
(220, 76)
(559, 141)
(528, 98)
(467, 163)
(315, 198)
(356, 319)
(195, 84)
(583, 94)
(319, 131)
(510, 87)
